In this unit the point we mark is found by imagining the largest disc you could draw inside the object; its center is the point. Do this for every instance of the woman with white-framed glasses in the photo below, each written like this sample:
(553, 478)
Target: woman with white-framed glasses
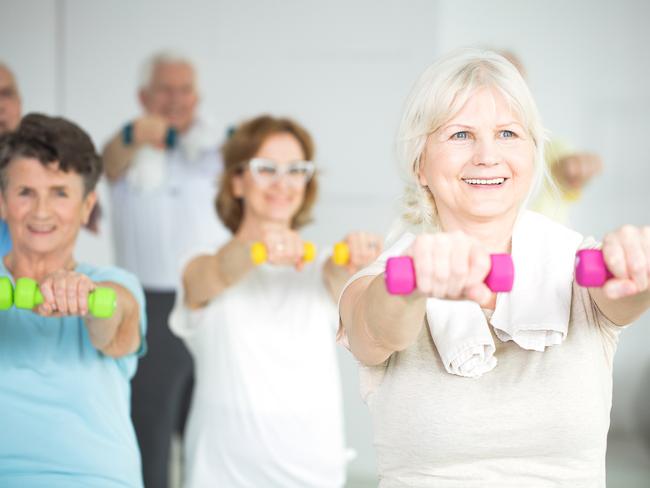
(267, 403)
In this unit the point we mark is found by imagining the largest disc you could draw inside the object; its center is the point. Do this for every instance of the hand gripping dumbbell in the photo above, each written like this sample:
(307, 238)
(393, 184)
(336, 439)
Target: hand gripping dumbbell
(6, 293)
(341, 254)
(400, 274)
(259, 254)
(101, 301)
(171, 136)
(591, 270)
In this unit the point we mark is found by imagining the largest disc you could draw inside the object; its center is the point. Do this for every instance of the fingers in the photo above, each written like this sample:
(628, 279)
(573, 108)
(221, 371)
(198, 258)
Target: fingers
(480, 264)
(84, 288)
(48, 306)
(626, 252)
(423, 263)
(478, 293)
(60, 294)
(284, 247)
(459, 269)
(440, 267)
(364, 248)
(618, 288)
(150, 129)
(65, 293)
(577, 169)
(571, 167)
(451, 266)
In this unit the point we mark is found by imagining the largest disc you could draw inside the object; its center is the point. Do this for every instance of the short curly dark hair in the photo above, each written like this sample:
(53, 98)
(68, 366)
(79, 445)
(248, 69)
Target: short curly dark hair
(52, 140)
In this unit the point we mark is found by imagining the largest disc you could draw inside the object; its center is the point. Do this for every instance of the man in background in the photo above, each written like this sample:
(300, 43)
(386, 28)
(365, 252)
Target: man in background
(162, 169)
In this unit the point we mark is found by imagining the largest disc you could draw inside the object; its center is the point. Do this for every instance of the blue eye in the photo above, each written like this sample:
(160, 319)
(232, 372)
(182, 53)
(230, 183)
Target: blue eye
(461, 136)
(507, 134)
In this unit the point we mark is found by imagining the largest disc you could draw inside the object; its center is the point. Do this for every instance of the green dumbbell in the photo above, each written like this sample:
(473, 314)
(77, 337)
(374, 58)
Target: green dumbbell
(6, 293)
(101, 301)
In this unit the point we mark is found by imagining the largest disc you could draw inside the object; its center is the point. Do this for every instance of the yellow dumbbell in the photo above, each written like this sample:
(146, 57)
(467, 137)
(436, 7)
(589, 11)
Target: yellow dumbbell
(341, 254)
(259, 254)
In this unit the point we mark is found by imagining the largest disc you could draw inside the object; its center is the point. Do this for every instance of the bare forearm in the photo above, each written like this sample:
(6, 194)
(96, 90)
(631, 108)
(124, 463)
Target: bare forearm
(208, 276)
(117, 157)
(119, 334)
(624, 310)
(335, 278)
(378, 324)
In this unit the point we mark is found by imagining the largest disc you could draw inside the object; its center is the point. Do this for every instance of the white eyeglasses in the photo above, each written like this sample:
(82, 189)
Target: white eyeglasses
(266, 172)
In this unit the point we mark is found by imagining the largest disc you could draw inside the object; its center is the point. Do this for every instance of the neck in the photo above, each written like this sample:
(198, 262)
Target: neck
(494, 234)
(37, 266)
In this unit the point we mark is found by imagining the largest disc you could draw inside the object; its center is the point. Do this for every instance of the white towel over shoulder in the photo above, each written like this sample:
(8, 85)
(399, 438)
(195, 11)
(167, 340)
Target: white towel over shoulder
(535, 314)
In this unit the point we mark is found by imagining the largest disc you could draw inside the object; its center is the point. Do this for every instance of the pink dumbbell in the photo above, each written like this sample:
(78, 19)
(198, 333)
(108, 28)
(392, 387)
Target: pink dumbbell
(590, 268)
(400, 275)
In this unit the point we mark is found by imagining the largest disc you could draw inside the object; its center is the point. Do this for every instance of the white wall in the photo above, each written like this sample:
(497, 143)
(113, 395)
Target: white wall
(343, 69)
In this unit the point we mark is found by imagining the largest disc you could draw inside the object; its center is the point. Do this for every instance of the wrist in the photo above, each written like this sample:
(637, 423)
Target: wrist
(127, 134)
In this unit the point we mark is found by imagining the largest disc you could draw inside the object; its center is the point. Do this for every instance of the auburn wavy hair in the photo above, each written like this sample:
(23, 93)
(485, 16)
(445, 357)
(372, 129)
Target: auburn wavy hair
(242, 145)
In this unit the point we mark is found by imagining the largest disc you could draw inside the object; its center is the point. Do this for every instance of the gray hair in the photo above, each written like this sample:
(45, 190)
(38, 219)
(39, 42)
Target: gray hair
(5, 66)
(438, 94)
(148, 68)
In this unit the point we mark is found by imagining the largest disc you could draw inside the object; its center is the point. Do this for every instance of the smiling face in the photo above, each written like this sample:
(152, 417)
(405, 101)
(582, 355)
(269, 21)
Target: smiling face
(279, 201)
(479, 165)
(172, 94)
(44, 207)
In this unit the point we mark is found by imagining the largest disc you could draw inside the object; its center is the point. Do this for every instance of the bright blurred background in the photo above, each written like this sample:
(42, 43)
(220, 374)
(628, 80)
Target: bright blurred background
(343, 68)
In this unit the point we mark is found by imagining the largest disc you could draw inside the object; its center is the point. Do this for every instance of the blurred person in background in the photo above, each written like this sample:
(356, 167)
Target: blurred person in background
(10, 113)
(571, 170)
(267, 408)
(162, 168)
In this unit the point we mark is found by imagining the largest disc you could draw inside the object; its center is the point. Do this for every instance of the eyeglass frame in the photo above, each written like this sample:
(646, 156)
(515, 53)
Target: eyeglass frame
(281, 170)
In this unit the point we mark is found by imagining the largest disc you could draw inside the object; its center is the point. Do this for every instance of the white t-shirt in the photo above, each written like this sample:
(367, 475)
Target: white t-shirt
(537, 420)
(267, 408)
(155, 227)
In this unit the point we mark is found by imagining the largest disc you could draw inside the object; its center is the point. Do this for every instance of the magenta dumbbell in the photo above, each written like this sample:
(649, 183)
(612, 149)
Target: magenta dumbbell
(400, 274)
(591, 270)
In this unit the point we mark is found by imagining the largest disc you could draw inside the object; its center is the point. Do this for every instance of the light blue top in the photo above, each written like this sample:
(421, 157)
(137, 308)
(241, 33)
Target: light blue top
(5, 238)
(64, 406)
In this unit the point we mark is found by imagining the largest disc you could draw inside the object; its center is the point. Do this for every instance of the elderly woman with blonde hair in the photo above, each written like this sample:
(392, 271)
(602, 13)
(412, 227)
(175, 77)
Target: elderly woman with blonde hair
(267, 406)
(467, 387)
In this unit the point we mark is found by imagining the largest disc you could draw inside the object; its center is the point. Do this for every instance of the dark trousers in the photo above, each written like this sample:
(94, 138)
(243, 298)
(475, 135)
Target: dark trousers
(161, 391)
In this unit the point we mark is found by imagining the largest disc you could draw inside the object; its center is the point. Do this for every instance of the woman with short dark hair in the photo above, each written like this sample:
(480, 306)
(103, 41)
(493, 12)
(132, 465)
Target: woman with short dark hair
(64, 367)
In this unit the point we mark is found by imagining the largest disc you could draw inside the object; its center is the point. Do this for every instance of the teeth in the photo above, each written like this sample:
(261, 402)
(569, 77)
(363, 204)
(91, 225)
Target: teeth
(476, 181)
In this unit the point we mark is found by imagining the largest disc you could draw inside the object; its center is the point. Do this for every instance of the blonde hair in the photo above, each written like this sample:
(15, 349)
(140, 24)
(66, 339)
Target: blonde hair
(438, 94)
